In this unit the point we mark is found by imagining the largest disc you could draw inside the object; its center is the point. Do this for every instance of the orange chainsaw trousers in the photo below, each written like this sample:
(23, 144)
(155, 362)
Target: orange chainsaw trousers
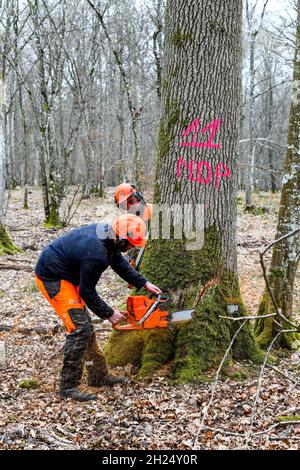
(63, 296)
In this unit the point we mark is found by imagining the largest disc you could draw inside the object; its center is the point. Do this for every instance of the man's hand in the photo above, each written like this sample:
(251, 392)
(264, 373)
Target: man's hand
(116, 317)
(152, 288)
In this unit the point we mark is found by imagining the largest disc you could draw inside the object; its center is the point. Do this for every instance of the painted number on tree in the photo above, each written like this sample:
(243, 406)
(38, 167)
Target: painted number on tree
(204, 170)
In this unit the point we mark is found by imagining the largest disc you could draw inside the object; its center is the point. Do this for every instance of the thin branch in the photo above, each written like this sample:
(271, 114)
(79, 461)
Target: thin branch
(261, 255)
(248, 318)
(271, 88)
(249, 434)
(281, 423)
(205, 413)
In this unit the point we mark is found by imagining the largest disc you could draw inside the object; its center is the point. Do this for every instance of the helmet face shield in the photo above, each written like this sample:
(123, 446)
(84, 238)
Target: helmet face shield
(127, 195)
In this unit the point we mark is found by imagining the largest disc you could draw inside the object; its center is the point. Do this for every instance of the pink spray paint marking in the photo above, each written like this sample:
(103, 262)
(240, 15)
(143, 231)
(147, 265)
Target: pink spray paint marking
(220, 175)
(221, 170)
(199, 178)
(194, 128)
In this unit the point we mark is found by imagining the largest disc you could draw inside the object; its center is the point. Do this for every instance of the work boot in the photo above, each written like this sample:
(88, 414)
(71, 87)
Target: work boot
(76, 394)
(112, 380)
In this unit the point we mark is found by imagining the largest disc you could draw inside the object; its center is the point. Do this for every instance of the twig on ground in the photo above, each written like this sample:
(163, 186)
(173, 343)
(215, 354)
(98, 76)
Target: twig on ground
(205, 413)
(261, 258)
(249, 434)
(281, 423)
(296, 382)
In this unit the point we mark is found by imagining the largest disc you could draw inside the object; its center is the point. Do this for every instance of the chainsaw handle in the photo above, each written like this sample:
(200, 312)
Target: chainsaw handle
(159, 297)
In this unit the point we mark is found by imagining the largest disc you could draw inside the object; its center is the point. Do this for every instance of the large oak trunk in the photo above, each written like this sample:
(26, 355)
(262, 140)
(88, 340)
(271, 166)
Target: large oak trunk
(201, 79)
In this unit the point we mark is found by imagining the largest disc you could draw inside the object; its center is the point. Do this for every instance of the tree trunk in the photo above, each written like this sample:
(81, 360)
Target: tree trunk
(201, 78)
(285, 256)
(251, 155)
(6, 245)
(271, 152)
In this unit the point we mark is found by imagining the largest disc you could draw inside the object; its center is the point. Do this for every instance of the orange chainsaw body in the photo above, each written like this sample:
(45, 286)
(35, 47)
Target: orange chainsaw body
(137, 307)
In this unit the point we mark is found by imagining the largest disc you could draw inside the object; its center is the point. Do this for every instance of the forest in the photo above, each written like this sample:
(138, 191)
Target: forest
(149, 225)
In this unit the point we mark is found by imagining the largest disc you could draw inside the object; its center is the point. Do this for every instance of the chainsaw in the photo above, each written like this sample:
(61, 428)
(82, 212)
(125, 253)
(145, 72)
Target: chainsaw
(144, 312)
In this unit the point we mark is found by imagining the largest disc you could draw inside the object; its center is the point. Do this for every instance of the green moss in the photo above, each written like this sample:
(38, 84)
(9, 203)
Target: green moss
(186, 122)
(6, 245)
(265, 331)
(277, 272)
(292, 340)
(164, 264)
(158, 350)
(124, 348)
(215, 26)
(284, 418)
(33, 288)
(175, 71)
(196, 346)
(177, 186)
(260, 322)
(147, 350)
(97, 445)
(156, 194)
(202, 342)
(29, 384)
(256, 210)
(166, 130)
(180, 38)
(53, 220)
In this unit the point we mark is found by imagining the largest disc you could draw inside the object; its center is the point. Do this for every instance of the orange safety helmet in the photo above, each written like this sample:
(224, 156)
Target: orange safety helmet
(132, 228)
(126, 190)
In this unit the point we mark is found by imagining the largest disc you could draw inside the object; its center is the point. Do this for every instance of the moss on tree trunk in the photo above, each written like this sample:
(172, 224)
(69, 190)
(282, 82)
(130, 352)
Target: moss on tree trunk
(266, 328)
(194, 347)
(6, 245)
(53, 220)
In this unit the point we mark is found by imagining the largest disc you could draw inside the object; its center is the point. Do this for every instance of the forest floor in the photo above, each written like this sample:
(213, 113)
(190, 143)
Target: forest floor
(140, 414)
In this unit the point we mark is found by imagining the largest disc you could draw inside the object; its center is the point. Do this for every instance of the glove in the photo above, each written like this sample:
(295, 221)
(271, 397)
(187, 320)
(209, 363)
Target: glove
(152, 288)
(116, 317)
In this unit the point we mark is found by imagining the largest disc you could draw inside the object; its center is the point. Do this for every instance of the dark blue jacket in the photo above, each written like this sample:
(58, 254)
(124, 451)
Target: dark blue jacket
(80, 257)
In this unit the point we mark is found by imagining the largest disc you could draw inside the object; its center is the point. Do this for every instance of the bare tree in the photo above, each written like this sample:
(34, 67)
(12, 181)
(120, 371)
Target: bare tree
(286, 254)
(6, 246)
(252, 34)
